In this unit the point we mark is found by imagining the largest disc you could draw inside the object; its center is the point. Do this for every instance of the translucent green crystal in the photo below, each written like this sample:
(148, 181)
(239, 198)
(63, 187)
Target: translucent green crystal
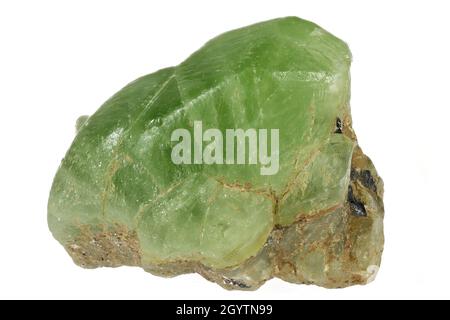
(118, 198)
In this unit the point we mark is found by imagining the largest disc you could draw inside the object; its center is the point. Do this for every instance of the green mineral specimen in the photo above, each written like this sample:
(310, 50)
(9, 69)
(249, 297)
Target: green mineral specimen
(118, 197)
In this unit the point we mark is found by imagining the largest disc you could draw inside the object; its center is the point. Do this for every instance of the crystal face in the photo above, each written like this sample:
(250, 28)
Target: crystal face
(118, 198)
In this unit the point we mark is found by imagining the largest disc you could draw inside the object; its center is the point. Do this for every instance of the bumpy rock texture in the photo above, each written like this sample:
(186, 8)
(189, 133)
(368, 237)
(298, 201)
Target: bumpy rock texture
(118, 199)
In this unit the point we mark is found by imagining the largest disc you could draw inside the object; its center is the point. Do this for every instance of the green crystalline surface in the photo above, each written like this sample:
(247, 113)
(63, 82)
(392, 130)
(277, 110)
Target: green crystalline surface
(286, 74)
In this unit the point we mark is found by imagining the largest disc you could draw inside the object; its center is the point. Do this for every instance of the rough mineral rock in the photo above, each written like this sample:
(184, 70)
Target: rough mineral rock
(119, 199)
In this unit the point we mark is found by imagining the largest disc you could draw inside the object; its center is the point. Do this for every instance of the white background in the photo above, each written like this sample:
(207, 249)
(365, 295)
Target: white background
(61, 59)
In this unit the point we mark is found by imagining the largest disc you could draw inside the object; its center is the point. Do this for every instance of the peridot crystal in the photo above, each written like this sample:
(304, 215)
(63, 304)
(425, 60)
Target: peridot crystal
(118, 198)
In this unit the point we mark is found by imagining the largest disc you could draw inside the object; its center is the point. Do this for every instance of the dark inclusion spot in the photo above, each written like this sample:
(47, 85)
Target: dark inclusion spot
(236, 283)
(338, 126)
(367, 180)
(356, 207)
(365, 177)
